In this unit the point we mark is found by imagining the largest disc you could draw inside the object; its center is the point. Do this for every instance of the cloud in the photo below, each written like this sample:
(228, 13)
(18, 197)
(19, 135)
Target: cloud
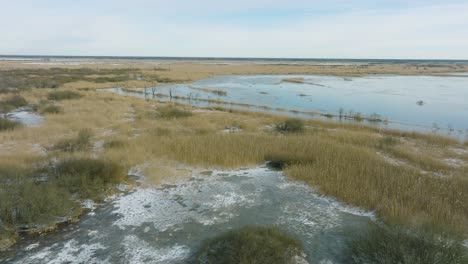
(422, 30)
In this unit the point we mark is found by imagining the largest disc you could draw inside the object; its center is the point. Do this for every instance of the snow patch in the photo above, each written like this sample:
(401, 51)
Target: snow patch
(139, 251)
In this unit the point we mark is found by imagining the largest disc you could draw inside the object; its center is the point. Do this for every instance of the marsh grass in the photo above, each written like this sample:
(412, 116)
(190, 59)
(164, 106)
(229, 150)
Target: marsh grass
(25, 202)
(423, 160)
(428, 138)
(250, 245)
(50, 109)
(172, 112)
(63, 95)
(347, 169)
(81, 142)
(6, 124)
(387, 142)
(87, 177)
(22, 79)
(114, 143)
(388, 245)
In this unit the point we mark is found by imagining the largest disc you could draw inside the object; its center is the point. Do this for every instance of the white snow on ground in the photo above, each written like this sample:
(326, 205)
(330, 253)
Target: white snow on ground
(162, 208)
(212, 201)
(139, 251)
(72, 252)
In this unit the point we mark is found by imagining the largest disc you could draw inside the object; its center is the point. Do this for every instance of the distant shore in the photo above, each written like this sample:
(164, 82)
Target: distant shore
(192, 69)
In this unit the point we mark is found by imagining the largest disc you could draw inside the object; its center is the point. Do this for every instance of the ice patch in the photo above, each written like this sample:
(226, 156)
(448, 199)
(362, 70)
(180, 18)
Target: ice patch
(32, 246)
(88, 204)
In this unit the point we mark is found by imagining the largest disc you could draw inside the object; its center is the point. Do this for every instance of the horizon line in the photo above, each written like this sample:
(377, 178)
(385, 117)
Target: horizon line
(221, 58)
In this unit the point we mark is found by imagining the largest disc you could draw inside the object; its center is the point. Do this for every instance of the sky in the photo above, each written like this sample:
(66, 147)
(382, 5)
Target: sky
(372, 29)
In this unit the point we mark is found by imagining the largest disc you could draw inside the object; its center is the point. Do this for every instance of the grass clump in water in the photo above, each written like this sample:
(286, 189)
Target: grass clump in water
(291, 125)
(26, 202)
(87, 177)
(250, 245)
(80, 143)
(63, 95)
(395, 245)
(6, 124)
(172, 112)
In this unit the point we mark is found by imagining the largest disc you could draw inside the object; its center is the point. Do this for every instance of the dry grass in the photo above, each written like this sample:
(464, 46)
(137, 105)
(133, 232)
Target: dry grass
(6, 124)
(352, 173)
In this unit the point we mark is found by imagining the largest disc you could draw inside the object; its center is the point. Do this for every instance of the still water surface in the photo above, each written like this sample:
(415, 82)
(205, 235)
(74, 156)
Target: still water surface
(420, 103)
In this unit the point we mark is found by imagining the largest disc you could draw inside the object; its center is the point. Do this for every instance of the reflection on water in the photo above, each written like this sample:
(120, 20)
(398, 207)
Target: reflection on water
(167, 224)
(421, 103)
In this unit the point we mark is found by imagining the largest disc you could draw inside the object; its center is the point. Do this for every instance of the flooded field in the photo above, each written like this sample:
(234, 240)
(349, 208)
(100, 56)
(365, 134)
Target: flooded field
(167, 224)
(421, 103)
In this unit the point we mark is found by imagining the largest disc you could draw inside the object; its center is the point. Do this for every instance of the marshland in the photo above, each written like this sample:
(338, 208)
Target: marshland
(166, 163)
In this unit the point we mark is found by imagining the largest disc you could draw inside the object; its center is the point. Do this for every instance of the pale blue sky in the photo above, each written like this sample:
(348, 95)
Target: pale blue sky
(256, 28)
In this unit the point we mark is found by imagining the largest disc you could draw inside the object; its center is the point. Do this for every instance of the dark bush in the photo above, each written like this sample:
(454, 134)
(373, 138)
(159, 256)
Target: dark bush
(250, 245)
(291, 125)
(63, 95)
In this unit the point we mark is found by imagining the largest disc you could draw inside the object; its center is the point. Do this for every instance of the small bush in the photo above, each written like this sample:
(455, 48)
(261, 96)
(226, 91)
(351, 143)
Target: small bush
(13, 102)
(50, 109)
(171, 112)
(115, 143)
(80, 143)
(291, 125)
(250, 245)
(63, 95)
(395, 245)
(6, 124)
(87, 177)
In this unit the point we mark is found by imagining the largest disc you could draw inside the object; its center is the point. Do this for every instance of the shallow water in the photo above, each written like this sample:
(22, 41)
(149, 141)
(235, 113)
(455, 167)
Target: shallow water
(167, 224)
(25, 117)
(444, 106)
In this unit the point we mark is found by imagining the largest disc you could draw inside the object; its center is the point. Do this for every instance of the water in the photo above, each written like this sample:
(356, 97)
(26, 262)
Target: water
(443, 106)
(167, 224)
(25, 117)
